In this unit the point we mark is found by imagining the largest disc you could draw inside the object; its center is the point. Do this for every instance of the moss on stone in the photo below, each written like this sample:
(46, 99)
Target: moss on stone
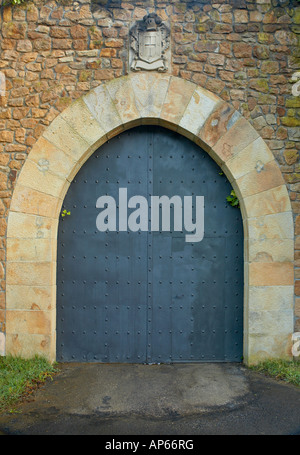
(293, 102)
(290, 121)
(296, 16)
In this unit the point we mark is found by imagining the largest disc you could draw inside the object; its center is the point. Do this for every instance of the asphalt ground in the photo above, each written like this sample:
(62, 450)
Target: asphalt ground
(177, 400)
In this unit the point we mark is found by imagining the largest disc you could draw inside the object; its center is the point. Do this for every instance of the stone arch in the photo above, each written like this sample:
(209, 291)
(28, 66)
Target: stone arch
(114, 106)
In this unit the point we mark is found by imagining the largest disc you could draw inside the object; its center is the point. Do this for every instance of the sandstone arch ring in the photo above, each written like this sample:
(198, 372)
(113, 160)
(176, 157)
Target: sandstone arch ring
(174, 103)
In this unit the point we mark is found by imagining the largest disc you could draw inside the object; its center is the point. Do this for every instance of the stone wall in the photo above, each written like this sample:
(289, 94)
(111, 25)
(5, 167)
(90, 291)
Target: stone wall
(246, 52)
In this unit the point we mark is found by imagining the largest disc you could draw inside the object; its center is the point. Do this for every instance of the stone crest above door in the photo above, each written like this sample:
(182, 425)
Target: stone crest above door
(149, 44)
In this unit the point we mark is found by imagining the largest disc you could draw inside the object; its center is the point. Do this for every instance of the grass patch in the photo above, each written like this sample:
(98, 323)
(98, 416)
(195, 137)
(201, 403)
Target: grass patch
(286, 370)
(20, 377)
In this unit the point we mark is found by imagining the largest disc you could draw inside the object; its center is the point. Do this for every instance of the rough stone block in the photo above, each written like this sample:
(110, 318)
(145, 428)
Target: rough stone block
(253, 156)
(123, 97)
(29, 322)
(31, 273)
(28, 200)
(237, 137)
(150, 92)
(269, 250)
(65, 138)
(27, 345)
(271, 298)
(178, 97)
(31, 250)
(270, 201)
(255, 182)
(278, 226)
(23, 225)
(81, 120)
(36, 176)
(271, 274)
(217, 124)
(201, 104)
(103, 109)
(40, 298)
(50, 158)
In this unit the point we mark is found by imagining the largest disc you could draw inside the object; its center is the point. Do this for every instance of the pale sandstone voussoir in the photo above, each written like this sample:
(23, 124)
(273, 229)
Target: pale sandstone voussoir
(123, 97)
(40, 179)
(103, 109)
(253, 157)
(177, 98)
(255, 182)
(31, 273)
(274, 226)
(23, 225)
(274, 200)
(150, 90)
(217, 124)
(79, 117)
(239, 135)
(49, 158)
(66, 138)
(35, 298)
(29, 200)
(200, 106)
(271, 274)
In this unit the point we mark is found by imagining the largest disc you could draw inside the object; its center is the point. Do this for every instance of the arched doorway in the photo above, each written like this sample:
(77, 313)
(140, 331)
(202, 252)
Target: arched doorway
(138, 291)
(210, 123)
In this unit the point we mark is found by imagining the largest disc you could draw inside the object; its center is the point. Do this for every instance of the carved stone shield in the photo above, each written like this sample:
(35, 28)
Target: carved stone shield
(149, 40)
(150, 46)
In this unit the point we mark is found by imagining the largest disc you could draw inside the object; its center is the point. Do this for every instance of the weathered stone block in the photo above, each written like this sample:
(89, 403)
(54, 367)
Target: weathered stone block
(36, 298)
(24, 225)
(217, 124)
(278, 226)
(291, 156)
(29, 322)
(35, 176)
(271, 298)
(150, 91)
(201, 104)
(254, 182)
(238, 136)
(31, 273)
(27, 345)
(253, 156)
(49, 158)
(270, 201)
(81, 120)
(31, 250)
(65, 138)
(28, 200)
(122, 95)
(103, 109)
(178, 97)
(271, 274)
(269, 250)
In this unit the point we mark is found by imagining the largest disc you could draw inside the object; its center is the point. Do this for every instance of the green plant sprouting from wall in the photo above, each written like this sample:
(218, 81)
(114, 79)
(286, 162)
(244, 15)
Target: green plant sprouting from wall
(65, 213)
(232, 198)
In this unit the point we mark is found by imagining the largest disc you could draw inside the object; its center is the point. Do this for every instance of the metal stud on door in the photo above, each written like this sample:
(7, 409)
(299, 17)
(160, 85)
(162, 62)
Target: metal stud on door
(149, 296)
